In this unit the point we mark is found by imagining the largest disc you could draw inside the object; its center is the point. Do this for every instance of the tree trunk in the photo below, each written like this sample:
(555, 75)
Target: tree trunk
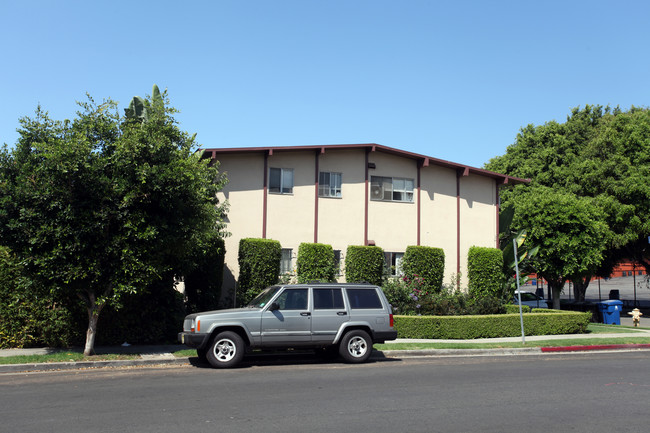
(556, 288)
(93, 317)
(580, 288)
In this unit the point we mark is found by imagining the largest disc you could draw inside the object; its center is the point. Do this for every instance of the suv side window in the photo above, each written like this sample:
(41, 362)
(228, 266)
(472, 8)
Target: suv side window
(293, 299)
(328, 299)
(363, 298)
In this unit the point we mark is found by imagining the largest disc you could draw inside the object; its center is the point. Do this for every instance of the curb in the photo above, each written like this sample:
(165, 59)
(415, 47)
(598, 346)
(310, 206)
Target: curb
(459, 352)
(595, 347)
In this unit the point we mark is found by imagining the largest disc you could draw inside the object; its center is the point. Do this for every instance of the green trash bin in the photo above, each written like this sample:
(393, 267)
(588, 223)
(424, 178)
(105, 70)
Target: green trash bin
(611, 311)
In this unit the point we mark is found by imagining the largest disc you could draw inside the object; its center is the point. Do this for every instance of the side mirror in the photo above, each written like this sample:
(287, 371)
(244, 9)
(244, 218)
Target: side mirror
(274, 306)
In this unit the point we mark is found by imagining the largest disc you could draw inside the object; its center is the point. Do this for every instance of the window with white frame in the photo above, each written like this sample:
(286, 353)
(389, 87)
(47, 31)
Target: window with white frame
(285, 261)
(329, 184)
(391, 189)
(393, 263)
(281, 180)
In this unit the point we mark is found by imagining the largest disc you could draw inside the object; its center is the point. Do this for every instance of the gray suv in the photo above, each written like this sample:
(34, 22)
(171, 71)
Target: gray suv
(334, 318)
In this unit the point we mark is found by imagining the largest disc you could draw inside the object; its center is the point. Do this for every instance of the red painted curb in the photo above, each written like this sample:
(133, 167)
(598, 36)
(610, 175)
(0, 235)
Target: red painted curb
(595, 347)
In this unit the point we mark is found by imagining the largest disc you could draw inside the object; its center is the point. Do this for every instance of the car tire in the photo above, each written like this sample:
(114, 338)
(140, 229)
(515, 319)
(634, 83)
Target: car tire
(355, 347)
(226, 350)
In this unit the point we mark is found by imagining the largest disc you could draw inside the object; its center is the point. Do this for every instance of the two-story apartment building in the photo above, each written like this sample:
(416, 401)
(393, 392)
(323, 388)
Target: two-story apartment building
(360, 194)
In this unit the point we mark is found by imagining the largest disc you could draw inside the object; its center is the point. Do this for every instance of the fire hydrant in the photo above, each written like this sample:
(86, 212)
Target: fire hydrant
(636, 316)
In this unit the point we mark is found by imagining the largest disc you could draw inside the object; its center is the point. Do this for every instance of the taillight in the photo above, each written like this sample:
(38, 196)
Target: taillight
(390, 320)
(198, 326)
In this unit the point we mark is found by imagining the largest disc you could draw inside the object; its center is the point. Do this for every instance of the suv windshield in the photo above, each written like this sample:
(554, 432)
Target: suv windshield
(264, 297)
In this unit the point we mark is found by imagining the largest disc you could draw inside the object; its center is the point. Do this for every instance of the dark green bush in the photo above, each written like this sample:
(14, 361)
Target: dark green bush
(316, 263)
(485, 272)
(203, 283)
(151, 317)
(29, 315)
(410, 296)
(364, 264)
(490, 326)
(427, 263)
(259, 267)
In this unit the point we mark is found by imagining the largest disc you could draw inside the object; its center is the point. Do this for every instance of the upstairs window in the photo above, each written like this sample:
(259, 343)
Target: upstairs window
(391, 189)
(329, 184)
(281, 180)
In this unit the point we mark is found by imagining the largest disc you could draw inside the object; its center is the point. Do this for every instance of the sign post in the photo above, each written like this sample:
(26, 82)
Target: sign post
(521, 314)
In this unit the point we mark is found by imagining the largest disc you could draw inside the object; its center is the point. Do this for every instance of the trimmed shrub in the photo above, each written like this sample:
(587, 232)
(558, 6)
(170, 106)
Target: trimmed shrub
(316, 263)
(514, 309)
(259, 267)
(364, 264)
(427, 263)
(203, 284)
(485, 271)
(490, 326)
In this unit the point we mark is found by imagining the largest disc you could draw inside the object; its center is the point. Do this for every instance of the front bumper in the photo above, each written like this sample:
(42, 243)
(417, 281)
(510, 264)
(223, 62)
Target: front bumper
(192, 339)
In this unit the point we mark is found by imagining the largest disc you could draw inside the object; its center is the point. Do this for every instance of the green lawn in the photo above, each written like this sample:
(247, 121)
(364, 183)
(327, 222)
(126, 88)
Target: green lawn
(63, 356)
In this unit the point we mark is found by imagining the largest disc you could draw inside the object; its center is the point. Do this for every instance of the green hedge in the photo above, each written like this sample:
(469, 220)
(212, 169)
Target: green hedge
(259, 267)
(427, 263)
(490, 326)
(514, 308)
(316, 263)
(485, 271)
(364, 264)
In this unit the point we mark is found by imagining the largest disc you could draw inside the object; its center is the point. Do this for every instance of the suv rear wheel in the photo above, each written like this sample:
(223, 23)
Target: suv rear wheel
(226, 350)
(356, 346)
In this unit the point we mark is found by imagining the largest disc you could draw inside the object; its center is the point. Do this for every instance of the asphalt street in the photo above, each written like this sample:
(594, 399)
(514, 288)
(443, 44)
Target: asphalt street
(585, 392)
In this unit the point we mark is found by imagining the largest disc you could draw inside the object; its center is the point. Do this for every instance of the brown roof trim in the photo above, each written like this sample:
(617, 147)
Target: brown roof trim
(372, 147)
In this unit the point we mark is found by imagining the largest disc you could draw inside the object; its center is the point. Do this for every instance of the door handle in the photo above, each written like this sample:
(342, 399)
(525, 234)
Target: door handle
(342, 313)
(305, 314)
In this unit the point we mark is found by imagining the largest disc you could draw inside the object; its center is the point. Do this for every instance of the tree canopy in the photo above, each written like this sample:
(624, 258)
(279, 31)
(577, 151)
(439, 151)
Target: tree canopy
(588, 202)
(99, 206)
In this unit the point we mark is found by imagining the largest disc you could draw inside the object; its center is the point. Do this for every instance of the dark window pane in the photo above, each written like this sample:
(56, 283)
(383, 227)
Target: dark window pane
(328, 299)
(363, 298)
(275, 176)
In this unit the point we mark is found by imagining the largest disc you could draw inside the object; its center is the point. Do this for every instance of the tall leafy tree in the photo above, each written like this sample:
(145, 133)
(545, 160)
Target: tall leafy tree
(100, 206)
(598, 154)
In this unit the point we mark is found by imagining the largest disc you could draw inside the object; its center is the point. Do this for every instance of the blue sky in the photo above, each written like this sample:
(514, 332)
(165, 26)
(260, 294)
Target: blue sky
(453, 80)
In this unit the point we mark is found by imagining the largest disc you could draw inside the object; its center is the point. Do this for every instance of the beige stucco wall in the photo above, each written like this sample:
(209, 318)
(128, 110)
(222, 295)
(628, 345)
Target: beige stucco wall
(438, 219)
(244, 193)
(290, 217)
(478, 217)
(341, 220)
(391, 225)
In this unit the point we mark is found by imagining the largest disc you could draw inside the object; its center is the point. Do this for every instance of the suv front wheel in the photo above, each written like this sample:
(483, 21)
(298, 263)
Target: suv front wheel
(226, 350)
(356, 346)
